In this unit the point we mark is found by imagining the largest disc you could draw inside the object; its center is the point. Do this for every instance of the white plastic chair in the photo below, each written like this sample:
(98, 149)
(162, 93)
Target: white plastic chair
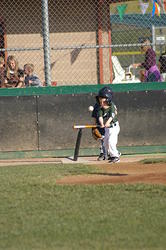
(120, 75)
(163, 75)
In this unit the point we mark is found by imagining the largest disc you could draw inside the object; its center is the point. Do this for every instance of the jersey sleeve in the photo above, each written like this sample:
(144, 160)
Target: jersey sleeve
(100, 112)
(114, 112)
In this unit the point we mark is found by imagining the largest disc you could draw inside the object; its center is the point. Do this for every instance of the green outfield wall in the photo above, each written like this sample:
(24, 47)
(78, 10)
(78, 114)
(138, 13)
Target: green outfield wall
(41, 119)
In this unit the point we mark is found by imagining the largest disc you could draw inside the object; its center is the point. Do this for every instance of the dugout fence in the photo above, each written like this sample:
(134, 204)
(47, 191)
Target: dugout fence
(72, 42)
(42, 119)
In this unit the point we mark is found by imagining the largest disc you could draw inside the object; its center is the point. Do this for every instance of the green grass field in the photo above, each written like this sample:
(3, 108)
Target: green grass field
(36, 213)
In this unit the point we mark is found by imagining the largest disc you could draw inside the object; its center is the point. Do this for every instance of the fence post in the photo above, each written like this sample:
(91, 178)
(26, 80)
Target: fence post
(153, 37)
(46, 42)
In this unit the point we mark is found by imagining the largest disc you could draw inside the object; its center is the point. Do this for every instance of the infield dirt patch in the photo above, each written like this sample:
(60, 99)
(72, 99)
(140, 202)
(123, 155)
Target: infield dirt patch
(131, 172)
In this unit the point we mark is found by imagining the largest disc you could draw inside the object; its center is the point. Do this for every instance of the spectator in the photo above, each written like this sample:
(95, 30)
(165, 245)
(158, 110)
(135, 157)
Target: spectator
(30, 78)
(162, 65)
(2, 73)
(14, 75)
(151, 72)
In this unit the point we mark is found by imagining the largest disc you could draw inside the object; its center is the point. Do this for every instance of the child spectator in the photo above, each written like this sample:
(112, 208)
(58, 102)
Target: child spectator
(162, 66)
(2, 73)
(31, 80)
(108, 119)
(14, 75)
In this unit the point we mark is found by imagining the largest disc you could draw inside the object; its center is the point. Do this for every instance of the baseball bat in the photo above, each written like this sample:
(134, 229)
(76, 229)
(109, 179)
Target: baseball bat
(77, 146)
(85, 126)
(79, 136)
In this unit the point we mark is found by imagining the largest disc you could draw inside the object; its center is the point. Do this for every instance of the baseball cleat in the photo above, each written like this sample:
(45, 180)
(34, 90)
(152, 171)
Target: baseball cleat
(101, 157)
(110, 158)
(120, 154)
(114, 160)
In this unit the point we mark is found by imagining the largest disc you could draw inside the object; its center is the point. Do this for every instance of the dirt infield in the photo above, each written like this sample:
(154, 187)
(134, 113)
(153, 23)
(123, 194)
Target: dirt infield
(129, 170)
(127, 173)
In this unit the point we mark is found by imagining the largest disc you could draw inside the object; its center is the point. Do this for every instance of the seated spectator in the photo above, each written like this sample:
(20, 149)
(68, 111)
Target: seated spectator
(31, 80)
(14, 75)
(162, 66)
(150, 71)
(2, 73)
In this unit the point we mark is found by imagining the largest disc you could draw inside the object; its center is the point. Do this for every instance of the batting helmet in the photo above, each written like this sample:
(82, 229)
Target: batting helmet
(107, 93)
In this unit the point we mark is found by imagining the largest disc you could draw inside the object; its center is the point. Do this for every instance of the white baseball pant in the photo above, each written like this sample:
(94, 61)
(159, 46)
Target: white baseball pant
(111, 139)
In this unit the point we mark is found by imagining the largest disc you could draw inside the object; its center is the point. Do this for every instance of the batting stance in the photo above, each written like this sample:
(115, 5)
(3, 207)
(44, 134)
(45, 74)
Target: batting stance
(107, 114)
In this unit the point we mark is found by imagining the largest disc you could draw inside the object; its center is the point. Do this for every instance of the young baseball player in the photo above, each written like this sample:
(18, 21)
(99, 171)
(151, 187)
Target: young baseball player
(103, 153)
(107, 114)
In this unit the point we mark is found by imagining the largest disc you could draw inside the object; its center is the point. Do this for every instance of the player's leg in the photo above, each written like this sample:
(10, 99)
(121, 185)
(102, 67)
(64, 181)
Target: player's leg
(103, 152)
(112, 143)
(102, 155)
(105, 141)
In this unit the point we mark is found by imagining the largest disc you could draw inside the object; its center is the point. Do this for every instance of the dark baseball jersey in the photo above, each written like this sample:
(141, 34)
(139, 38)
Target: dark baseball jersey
(95, 115)
(107, 113)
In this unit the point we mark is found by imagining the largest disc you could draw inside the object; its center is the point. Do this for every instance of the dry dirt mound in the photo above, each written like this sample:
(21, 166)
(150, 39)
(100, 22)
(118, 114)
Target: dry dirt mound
(134, 172)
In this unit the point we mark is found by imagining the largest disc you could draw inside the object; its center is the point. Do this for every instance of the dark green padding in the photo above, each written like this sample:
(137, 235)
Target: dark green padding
(63, 90)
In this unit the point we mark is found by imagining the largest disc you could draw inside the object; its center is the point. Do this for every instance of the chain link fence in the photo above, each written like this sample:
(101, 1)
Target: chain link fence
(81, 42)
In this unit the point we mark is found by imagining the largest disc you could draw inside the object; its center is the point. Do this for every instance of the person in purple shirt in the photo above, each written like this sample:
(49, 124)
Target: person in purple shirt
(150, 72)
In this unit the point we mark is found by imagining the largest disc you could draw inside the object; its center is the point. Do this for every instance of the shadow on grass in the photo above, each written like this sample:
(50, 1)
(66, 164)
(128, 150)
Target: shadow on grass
(109, 174)
(153, 161)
